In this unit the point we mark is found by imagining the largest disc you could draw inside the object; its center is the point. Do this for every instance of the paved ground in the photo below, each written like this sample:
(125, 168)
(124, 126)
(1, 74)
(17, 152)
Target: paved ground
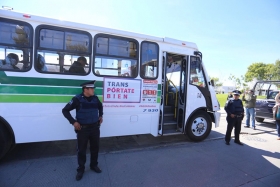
(152, 161)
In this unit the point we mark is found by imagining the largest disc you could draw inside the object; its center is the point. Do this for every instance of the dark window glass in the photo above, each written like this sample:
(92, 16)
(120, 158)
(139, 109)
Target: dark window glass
(102, 46)
(115, 56)
(51, 39)
(117, 47)
(196, 72)
(149, 60)
(61, 40)
(15, 45)
(76, 42)
(59, 50)
(14, 34)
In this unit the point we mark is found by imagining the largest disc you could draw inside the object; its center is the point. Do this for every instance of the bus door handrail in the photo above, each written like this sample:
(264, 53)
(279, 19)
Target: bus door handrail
(176, 96)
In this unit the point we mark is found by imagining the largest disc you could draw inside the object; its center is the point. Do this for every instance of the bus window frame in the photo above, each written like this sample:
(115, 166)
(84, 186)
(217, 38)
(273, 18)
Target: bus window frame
(20, 47)
(115, 56)
(203, 73)
(140, 63)
(67, 52)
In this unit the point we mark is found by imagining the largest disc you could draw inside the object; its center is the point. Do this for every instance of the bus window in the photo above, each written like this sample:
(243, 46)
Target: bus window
(114, 67)
(15, 45)
(115, 56)
(61, 48)
(149, 60)
(196, 73)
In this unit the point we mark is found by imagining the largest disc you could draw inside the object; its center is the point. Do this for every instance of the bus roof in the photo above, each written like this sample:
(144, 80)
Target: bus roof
(56, 22)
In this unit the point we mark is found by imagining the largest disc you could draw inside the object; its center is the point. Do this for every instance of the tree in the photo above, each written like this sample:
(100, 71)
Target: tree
(276, 71)
(216, 81)
(236, 80)
(259, 70)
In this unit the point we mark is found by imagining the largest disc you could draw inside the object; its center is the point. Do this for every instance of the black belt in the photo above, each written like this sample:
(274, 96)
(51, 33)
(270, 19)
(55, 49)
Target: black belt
(90, 125)
(238, 116)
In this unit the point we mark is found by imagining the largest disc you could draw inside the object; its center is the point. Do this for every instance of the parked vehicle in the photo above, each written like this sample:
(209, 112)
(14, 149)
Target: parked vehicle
(147, 84)
(266, 92)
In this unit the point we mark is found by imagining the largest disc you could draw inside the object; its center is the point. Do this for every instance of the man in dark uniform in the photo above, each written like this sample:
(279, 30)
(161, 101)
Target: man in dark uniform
(89, 111)
(235, 114)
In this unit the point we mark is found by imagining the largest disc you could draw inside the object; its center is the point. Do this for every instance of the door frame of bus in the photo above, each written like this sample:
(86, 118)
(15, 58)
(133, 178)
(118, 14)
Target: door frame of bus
(182, 95)
(163, 95)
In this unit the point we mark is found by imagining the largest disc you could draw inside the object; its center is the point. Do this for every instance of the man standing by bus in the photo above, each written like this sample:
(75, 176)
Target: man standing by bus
(89, 112)
(250, 103)
(235, 114)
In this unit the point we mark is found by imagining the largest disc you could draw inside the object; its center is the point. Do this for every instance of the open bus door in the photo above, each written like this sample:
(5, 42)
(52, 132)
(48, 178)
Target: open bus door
(172, 109)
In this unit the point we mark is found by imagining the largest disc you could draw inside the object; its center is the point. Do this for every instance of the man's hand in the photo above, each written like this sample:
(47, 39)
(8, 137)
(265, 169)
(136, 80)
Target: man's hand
(100, 120)
(77, 126)
(232, 115)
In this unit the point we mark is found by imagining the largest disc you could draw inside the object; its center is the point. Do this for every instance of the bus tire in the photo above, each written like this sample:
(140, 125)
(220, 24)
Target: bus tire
(199, 126)
(6, 140)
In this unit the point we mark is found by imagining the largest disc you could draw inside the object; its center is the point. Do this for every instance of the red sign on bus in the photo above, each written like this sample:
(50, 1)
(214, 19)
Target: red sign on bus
(149, 92)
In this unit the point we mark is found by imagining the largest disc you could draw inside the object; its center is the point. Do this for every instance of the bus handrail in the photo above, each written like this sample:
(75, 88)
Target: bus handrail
(176, 96)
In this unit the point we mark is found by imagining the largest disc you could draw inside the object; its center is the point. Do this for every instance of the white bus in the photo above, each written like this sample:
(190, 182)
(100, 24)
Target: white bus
(147, 84)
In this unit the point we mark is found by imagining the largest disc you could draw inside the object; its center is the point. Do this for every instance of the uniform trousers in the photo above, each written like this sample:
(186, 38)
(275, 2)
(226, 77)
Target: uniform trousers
(250, 112)
(236, 123)
(85, 135)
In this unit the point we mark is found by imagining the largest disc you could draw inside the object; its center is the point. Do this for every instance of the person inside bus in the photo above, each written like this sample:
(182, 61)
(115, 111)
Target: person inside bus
(41, 63)
(97, 72)
(26, 65)
(10, 62)
(78, 66)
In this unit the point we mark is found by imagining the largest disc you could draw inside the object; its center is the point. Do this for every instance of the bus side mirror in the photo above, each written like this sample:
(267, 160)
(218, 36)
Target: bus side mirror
(212, 82)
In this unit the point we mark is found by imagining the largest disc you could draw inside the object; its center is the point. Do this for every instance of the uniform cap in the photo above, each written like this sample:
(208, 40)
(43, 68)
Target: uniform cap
(89, 84)
(236, 92)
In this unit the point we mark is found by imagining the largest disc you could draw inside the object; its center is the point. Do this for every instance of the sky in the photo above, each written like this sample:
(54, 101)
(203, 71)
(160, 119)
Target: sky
(231, 34)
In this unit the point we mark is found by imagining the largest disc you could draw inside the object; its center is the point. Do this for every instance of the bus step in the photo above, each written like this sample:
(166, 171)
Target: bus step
(167, 126)
(168, 109)
(171, 132)
(169, 117)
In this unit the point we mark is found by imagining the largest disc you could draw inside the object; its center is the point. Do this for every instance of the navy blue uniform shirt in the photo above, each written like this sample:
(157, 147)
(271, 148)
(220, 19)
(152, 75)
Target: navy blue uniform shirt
(75, 104)
(234, 107)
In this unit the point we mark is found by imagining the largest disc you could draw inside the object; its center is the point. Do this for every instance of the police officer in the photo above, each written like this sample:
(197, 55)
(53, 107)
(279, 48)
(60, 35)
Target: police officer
(235, 114)
(89, 111)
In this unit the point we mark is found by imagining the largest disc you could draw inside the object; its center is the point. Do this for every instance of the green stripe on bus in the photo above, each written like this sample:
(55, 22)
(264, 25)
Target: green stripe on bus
(158, 100)
(12, 89)
(41, 99)
(4, 79)
(36, 99)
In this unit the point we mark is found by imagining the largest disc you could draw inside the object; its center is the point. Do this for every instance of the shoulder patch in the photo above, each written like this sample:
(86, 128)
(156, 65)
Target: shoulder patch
(70, 103)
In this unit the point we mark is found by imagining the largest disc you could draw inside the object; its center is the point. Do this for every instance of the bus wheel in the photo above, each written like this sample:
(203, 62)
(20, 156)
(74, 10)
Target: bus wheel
(199, 126)
(5, 140)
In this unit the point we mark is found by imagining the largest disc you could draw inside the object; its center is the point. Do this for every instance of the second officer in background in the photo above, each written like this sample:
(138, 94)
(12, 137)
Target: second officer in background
(235, 115)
